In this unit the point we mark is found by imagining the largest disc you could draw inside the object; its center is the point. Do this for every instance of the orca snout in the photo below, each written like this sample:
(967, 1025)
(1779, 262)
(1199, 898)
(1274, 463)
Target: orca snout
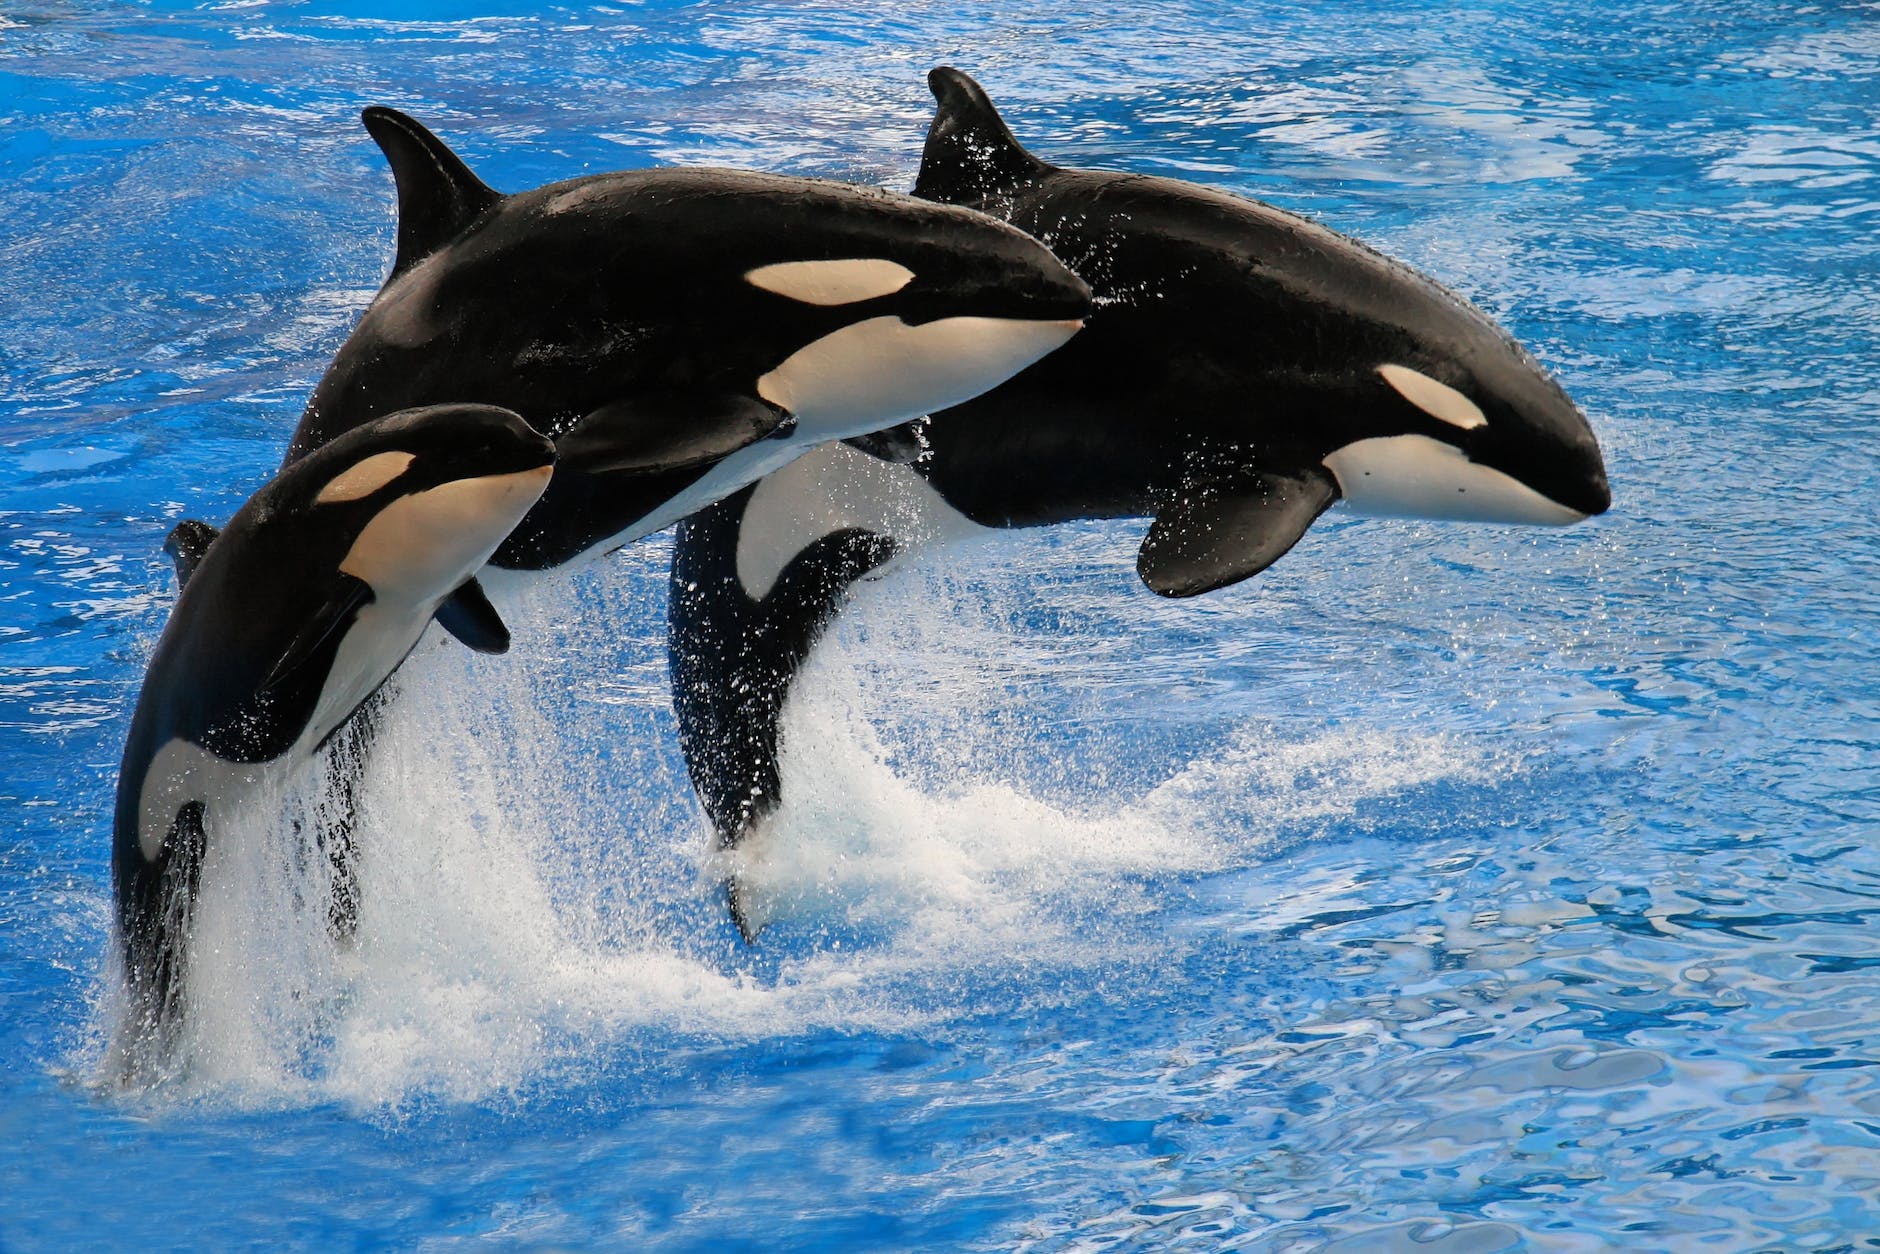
(1540, 437)
(1043, 290)
(1056, 294)
(1502, 444)
(492, 440)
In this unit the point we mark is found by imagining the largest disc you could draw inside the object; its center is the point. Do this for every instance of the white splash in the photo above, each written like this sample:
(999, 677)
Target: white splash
(537, 892)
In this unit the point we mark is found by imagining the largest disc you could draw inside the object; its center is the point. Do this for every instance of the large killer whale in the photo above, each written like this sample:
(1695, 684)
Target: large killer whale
(1242, 370)
(677, 332)
(285, 623)
(683, 331)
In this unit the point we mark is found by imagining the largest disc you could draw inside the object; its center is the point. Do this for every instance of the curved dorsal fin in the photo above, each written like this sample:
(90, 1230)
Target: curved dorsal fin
(970, 151)
(437, 195)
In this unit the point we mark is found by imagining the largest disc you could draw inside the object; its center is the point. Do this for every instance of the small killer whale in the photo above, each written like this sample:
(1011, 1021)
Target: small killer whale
(1243, 369)
(286, 623)
(679, 332)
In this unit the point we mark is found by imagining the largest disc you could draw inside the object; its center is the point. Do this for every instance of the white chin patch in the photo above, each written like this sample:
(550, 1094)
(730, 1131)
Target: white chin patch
(1438, 400)
(421, 546)
(875, 373)
(1413, 476)
(832, 282)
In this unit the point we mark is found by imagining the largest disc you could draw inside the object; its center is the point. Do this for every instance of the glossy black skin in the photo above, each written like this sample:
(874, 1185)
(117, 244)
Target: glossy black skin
(731, 659)
(253, 593)
(1227, 333)
(1230, 341)
(634, 292)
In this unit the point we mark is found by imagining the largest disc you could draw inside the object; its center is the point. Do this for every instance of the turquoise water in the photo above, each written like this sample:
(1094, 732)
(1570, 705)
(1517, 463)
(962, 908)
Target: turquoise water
(1441, 889)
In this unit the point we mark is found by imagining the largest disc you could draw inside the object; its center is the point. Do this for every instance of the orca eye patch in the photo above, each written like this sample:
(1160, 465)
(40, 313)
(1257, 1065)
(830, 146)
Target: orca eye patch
(1438, 400)
(843, 282)
(365, 477)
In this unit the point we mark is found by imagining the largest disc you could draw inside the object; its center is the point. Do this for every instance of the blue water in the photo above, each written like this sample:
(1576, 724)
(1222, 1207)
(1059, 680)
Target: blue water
(1441, 889)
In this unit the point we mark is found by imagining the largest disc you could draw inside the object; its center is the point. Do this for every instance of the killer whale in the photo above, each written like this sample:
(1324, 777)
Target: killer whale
(1242, 370)
(677, 332)
(285, 623)
(680, 332)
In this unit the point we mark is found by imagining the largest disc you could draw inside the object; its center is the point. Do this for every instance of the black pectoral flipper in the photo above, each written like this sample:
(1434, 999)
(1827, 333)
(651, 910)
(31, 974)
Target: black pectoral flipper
(468, 615)
(733, 658)
(626, 460)
(902, 445)
(317, 630)
(664, 431)
(970, 153)
(1214, 535)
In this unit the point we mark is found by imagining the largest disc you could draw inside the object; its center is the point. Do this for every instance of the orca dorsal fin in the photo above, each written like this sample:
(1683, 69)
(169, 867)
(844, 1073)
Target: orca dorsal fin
(437, 195)
(186, 544)
(970, 151)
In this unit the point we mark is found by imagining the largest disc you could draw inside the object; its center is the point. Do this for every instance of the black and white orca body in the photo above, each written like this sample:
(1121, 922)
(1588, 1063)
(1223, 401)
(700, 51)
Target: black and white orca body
(1242, 370)
(681, 332)
(285, 624)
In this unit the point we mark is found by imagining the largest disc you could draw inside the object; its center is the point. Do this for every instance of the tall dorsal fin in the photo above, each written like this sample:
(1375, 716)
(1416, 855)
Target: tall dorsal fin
(970, 152)
(437, 195)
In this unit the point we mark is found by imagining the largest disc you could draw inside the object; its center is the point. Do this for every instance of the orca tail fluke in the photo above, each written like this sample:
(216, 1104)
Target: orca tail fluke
(970, 152)
(438, 196)
(748, 926)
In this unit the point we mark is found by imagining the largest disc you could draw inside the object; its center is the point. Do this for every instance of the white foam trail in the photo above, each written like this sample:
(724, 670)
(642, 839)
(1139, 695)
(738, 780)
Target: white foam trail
(989, 862)
(536, 888)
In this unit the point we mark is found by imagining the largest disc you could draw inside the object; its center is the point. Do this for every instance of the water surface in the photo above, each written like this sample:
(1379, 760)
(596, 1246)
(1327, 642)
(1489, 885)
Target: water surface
(1443, 888)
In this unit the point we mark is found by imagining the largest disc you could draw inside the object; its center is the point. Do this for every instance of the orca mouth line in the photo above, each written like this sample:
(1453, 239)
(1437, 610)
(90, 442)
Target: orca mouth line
(1055, 313)
(1041, 301)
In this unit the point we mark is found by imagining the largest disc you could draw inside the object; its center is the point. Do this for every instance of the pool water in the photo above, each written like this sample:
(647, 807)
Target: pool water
(1443, 888)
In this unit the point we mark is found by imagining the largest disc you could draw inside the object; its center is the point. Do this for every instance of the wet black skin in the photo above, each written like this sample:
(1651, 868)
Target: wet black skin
(1228, 334)
(1232, 347)
(616, 305)
(241, 663)
(612, 312)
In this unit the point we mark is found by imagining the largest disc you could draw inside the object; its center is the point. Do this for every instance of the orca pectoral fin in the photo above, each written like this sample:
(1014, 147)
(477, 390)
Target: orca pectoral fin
(902, 445)
(186, 544)
(664, 431)
(1217, 535)
(468, 615)
(348, 595)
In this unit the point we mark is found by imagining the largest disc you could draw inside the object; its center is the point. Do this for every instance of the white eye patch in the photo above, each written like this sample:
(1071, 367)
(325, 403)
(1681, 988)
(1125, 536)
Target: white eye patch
(832, 282)
(364, 478)
(1438, 400)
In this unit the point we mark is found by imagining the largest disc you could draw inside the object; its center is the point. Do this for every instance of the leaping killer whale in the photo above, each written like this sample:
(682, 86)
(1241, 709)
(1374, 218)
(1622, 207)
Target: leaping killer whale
(1242, 370)
(680, 332)
(284, 625)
